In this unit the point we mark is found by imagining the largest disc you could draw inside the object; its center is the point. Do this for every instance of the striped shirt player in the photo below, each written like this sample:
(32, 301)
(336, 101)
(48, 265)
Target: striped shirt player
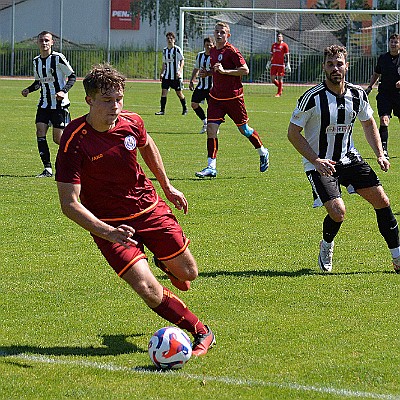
(328, 121)
(171, 75)
(54, 77)
(204, 84)
(327, 113)
(51, 75)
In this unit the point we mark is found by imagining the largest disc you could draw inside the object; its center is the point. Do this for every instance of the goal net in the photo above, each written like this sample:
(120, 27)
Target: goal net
(365, 33)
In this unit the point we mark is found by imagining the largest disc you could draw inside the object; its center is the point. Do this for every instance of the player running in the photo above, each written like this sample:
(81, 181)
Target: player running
(226, 98)
(54, 77)
(103, 189)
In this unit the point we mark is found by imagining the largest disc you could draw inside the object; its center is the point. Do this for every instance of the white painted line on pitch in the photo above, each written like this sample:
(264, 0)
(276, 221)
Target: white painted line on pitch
(220, 379)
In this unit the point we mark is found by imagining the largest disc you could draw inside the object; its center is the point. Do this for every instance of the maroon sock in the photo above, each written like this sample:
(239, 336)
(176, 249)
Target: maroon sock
(255, 140)
(175, 311)
(280, 87)
(212, 148)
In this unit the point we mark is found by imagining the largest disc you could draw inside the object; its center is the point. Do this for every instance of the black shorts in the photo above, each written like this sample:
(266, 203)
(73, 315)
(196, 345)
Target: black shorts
(355, 176)
(388, 102)
(59, 118)
(176, 84)
(199, 95)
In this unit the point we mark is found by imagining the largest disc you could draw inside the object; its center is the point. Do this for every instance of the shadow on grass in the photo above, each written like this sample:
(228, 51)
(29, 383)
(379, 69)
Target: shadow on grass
(113, 345)
(293, 274)
(16, 176)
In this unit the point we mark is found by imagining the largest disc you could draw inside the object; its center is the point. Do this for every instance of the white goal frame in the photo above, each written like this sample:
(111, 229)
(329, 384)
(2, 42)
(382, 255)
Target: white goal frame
(394, 14)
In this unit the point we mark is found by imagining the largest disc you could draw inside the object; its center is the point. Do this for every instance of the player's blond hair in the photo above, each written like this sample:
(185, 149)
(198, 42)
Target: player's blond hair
(224, 25)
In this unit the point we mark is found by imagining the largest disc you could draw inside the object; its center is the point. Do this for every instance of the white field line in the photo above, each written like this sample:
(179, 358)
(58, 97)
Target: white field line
(205, 378)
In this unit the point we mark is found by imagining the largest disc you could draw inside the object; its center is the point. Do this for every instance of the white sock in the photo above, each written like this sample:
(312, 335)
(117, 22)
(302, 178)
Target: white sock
(212, 162)
(395, 252)
(261, 151)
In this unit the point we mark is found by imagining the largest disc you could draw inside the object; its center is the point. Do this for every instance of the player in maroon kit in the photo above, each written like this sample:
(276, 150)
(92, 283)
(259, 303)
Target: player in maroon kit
(103, 189)
(279, 63)
(226, 98)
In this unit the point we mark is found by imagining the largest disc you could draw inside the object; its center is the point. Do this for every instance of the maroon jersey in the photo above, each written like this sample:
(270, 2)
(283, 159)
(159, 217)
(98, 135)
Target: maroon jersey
(278, 51)
(226, 87)
(113, 184)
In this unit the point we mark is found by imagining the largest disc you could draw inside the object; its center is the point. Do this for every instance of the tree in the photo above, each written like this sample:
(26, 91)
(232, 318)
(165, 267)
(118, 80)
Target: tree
(168, 9)
(327, 5)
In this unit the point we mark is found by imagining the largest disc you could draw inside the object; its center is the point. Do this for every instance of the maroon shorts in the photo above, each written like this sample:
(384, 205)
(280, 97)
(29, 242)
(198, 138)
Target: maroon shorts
(158, 230)
(277, 70)
(234, 108)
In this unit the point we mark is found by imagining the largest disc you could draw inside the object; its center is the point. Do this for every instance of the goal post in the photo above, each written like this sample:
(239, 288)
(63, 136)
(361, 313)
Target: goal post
(365, 33)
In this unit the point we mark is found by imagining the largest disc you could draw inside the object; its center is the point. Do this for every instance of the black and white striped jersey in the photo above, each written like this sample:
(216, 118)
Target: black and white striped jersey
(52, 73)
(172, 59)
(328, 120)
(203, 62)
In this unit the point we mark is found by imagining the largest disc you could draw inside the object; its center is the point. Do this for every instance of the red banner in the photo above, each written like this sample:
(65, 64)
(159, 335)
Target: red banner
(121, 18)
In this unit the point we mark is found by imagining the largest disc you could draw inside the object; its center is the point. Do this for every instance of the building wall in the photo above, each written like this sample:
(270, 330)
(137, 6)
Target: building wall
(84, 22)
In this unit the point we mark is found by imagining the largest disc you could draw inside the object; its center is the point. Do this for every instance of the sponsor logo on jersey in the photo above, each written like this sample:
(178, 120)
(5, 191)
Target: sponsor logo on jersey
(336, 129)
(48, 79)
(130, 142)
(94, 158)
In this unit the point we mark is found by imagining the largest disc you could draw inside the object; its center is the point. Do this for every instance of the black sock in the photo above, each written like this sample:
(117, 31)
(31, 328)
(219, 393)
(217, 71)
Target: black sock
(200, 113)
(183, 102)
(44, 151)
(163, 102)
(388, 226)
(384, 132)
(330, 228)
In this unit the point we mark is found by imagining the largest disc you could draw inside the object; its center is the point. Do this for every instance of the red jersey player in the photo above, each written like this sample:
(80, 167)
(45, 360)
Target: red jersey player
(103, 189)
(226, 98)
(279, 63)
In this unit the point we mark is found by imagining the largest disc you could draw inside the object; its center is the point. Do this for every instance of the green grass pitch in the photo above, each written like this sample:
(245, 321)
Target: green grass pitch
(71, 329)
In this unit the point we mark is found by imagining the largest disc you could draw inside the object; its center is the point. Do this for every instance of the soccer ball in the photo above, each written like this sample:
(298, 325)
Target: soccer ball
(169, 348)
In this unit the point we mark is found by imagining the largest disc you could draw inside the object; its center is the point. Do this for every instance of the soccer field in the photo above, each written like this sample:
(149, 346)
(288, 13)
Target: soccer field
(71, 329)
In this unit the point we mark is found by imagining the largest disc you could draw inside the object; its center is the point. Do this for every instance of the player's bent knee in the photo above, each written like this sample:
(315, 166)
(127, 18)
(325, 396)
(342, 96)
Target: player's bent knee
(246, 130)
(151, 293)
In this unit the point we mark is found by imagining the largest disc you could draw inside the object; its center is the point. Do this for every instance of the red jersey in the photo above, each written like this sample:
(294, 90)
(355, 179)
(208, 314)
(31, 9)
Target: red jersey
(113, 184)
(278, 51)
(226, 86)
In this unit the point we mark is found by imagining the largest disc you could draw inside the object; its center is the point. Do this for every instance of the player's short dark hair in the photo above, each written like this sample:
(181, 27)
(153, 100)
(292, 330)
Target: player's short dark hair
(172, 34)
(394, 36)
(103, 78)
(44, 33)
(208, 39)
(335, 50)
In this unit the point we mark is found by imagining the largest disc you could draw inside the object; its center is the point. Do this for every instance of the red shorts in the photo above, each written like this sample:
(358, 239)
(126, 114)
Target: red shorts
(277, 70)
(234, 108)
(158, 230)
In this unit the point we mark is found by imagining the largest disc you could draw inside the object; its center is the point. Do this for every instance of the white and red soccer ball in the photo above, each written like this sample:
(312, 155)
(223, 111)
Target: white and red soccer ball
(170, 348)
